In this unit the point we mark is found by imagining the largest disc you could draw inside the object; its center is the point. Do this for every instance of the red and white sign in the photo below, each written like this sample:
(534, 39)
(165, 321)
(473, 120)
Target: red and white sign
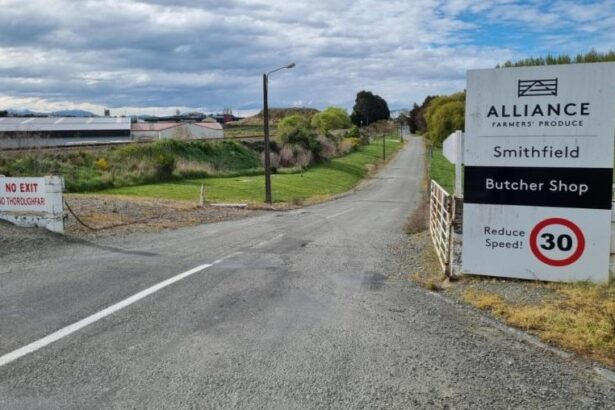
(23, 195)
(557, 242)
(33, 202)
(531, 243)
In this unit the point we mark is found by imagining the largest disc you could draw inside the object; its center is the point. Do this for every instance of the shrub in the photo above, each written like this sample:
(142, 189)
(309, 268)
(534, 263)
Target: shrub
(354, 132)
(287, 156)
(274, 161)
(345, 146)
(102, 164)
(296, 129)
(164, 165)
(328, 149)
(304, 158)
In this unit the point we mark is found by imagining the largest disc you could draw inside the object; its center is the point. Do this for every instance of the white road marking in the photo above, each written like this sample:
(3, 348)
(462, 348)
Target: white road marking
(55, 336)
(217, 261)
(339, 213)
(263, 243)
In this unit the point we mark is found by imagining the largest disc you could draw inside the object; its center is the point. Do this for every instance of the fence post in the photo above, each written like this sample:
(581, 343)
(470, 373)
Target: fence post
(459, 164)
(456, 237)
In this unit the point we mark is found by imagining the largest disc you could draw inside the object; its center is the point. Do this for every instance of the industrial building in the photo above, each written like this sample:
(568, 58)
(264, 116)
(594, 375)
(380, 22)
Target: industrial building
(177, 130)
(65, 127)
(26, 132)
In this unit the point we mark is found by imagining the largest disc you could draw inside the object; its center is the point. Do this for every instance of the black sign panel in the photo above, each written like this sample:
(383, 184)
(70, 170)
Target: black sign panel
(551, 187)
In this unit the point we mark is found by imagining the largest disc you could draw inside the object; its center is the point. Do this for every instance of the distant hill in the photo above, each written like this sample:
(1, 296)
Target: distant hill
(24, 112)
(276, 114)
(72, 113)
(20, 111)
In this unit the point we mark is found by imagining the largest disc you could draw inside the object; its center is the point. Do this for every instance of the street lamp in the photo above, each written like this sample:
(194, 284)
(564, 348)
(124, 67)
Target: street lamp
(266, 120)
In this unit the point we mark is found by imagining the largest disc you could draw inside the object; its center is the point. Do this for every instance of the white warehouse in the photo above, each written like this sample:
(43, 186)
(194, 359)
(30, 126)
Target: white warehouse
(177, 130)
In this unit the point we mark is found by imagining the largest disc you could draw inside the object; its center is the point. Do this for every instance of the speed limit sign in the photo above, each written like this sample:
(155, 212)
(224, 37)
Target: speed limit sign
(557, 242)
(538, 172)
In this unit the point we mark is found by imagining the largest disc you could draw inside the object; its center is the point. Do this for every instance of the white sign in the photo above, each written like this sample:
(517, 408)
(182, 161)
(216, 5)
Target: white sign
(22, 195)
(539, 172)
(451, 146)
(32, 202)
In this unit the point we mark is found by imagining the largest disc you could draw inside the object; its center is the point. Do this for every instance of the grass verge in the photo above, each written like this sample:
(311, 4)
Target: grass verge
(442, 171)
(330, 178)
(579, 317)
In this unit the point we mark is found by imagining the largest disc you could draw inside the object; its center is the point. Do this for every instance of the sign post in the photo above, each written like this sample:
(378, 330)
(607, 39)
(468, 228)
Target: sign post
(538, 155)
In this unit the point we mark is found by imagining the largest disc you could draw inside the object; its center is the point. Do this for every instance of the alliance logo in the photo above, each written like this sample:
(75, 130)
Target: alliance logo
(531, 88)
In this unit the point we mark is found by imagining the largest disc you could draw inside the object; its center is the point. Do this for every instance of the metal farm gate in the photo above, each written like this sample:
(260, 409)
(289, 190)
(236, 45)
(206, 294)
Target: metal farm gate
(440, 219)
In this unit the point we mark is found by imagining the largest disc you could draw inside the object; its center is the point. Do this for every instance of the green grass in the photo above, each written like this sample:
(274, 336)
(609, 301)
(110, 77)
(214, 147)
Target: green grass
(442, 171)
(334, 177)
(135, 164)
(237, 131)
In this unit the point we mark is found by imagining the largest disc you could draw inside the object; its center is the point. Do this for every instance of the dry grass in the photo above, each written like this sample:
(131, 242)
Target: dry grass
(185, 167)
(418, 221)
(580, 318)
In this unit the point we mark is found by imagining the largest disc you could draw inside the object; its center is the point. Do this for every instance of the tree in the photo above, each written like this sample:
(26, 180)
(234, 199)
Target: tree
(333, 118)
(412, 117)
(592, 56)
(369, 108)
(416, 117)
(444, 115)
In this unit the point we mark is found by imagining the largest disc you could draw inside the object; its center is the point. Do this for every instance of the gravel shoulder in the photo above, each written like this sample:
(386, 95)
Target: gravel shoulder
(413, 258)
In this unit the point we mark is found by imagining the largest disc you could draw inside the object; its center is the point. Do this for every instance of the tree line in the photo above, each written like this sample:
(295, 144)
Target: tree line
(438, 116)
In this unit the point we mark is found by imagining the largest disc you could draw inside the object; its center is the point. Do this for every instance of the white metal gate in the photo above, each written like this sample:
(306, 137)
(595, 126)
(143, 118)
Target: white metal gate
(440, 219)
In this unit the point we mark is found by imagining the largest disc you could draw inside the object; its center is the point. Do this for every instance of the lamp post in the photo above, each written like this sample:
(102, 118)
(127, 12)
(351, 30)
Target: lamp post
(266, 121)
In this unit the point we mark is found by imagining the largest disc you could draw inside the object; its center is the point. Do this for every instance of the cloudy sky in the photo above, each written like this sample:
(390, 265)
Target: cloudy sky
(154, 56)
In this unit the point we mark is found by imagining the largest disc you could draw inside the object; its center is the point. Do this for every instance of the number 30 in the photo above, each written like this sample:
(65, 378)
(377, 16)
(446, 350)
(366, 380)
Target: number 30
(563, 242)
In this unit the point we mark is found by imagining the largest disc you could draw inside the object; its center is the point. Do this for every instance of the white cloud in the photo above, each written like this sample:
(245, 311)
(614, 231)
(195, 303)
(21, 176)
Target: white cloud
(163, 53)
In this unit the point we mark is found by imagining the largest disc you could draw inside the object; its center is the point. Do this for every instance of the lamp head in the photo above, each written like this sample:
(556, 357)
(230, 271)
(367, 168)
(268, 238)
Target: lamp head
(291, 65)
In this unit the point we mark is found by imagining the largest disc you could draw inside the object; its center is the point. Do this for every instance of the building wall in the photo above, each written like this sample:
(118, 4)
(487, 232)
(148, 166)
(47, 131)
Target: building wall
(205, 133)
(151, 135)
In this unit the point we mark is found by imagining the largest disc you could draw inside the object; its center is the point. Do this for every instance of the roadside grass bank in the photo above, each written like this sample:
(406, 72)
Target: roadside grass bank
(134, 164)
(440, 170)
(579, 317)
(239, 131)
(319, 181)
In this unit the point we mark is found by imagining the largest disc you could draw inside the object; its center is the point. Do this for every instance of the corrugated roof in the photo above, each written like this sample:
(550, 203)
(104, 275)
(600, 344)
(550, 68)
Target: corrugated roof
(153, 126)
(43, 124)
(211, 125)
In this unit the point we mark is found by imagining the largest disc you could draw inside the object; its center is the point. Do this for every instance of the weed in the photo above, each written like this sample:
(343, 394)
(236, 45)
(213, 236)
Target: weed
(433, 286)
(102, 164)
(581, 317)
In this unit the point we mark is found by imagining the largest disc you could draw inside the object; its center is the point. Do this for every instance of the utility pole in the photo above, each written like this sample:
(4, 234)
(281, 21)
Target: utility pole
(267, 152)
(267, 148)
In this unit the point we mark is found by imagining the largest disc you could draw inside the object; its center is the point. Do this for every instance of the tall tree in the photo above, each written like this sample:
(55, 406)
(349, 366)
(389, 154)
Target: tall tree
(369, 108)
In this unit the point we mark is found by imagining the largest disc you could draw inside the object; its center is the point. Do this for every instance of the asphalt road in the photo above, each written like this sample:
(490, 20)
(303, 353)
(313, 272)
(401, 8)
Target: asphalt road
(287, 310)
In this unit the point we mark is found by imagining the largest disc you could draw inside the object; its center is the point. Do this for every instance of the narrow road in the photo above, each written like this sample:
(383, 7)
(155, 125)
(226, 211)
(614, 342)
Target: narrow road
(286, 310)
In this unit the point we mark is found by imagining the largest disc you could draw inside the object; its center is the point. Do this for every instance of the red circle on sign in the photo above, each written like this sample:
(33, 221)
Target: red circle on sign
(557, 262)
